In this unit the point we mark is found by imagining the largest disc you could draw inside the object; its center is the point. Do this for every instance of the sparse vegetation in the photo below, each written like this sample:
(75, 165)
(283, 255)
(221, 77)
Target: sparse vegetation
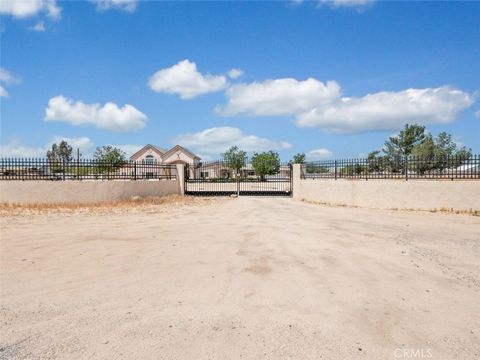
(235, 159)
(298, 159)
(109, 159)
(266, 163)
(428, 153)
(59, 156)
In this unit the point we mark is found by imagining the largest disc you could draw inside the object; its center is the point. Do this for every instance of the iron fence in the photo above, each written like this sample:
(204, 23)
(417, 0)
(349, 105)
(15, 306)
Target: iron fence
(83, 169)
(410, 167)
(243, 178)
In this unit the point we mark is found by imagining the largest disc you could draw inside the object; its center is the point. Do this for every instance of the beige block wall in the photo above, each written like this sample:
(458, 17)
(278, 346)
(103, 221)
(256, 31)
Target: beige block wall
(48, 192)
(458, 195)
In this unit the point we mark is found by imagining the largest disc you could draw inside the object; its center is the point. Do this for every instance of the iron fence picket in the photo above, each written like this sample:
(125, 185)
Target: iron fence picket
(83, 169)
(410, 167)
(218, 177)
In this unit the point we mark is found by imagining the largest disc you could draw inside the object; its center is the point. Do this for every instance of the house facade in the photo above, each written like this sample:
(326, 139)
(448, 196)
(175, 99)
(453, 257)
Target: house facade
(154, 155)
(151, 154)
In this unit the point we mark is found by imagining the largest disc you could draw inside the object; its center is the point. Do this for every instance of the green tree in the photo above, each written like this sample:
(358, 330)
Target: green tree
(398, 147)
(61, 152)
(298, 159)
(352, 169)
(445, 146)
(424, 156)
(235, 159)
(438, 153)
(316, 169)
(404, 143)
(59, 155)
(376, 162)
(429, 153)
(266, 163)
(109, 159)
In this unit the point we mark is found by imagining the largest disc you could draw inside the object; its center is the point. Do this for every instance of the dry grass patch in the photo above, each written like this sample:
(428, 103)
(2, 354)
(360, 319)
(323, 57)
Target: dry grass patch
(135, 204)
(471, 212)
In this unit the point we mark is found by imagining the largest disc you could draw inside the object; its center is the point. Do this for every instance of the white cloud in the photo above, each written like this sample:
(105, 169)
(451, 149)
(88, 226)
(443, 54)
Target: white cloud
(84, 144)
(218, 139)
(207, 157)
(38, 27)
(108, 117)
(17, 149)
(6, 78)
(477, 114)
(388, 110)
(334, 4)
(320, 105)
(129, 149)
(185, 80)
(279, 97)
(14, 149)
(27, 8)
(318, 154)
(125, 5)
(235, 73)
(3, 92)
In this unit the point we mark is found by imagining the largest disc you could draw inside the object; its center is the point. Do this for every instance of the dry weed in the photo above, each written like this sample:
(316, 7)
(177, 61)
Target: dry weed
(149, 204)
(471, 212)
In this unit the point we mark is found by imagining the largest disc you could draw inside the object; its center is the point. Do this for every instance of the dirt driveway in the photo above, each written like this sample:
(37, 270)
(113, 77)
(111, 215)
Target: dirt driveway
(246, 278)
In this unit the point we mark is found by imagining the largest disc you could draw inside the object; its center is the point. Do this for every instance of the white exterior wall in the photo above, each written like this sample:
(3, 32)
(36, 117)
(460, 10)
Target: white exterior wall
(80, 192)
(414, 194)
(155, 155)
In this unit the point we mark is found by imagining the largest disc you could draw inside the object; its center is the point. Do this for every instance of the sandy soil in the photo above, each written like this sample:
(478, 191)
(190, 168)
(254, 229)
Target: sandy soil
(245, 278)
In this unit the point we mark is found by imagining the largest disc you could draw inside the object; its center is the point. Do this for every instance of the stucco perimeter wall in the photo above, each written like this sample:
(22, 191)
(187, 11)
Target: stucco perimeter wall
(456, 195)
(393, 194)
(78, 192)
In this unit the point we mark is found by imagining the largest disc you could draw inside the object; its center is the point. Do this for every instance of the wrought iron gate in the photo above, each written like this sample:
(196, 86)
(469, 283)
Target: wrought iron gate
(218, 178)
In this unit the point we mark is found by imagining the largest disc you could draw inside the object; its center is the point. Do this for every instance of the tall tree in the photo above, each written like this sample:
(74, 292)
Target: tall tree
(439, 153)
(430, 153)
(266, 163)
(60, 153)
(376, 162)
(298, 158)
(405, 141)
(235, 159)
(445, 146)
(109, 158)
(398, 147)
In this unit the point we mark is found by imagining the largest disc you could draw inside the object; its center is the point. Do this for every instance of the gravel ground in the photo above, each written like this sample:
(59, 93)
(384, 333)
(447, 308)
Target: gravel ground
(244, 278)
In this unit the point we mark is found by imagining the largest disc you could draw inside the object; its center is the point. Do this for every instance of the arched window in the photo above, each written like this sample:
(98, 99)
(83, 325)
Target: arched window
(149, 159)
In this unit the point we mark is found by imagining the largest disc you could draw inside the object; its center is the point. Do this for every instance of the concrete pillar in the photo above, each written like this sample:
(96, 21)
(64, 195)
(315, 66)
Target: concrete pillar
(296, 178)
(181, 178)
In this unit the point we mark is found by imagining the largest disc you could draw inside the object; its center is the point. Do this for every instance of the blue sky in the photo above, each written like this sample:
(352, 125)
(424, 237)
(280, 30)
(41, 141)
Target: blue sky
(331, 79)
